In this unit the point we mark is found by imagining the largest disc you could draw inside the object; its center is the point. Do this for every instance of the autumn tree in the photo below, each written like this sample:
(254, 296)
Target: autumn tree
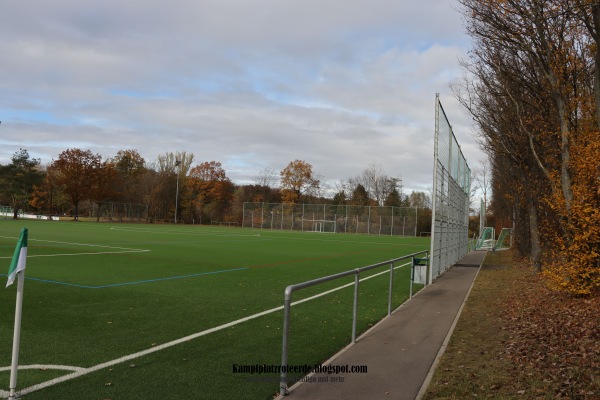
(48, 196)
(130, 166)
(534, 98)
(297, 180)
(170, 170)
(105, 182)
(208, 192)
(18, 179)
(75, 171)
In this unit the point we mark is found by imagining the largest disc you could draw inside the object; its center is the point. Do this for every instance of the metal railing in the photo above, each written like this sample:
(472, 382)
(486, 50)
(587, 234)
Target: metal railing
(356, 272)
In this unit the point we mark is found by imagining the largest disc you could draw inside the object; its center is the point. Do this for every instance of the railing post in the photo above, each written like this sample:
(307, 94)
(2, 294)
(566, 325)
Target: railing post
(391, 289)
(283, 389)
(412, 276)
(355, 309)
(428, 269)
(283, 381)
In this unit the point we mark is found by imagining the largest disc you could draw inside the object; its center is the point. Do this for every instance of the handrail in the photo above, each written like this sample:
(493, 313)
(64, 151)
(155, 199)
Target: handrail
(283, 389)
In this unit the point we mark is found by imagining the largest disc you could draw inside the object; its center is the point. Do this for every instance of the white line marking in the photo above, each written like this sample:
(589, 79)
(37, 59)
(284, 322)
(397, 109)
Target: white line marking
(73, 243)
(85, 254)
(188, 233)
(122, 249)
(45, 367)
(85, 371)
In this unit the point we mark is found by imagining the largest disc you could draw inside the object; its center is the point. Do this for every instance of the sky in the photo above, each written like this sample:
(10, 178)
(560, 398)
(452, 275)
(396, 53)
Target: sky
(253, 84)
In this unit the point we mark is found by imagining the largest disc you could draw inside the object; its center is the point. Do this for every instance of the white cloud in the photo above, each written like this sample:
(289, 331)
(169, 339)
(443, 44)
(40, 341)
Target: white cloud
(251, 84)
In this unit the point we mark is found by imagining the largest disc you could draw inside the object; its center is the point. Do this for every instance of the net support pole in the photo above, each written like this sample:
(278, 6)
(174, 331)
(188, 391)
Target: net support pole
(435, 183)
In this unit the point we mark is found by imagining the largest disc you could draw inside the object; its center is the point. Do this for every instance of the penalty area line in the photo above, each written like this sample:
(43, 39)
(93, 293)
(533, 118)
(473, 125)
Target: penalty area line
(185, 339)
(110, 285)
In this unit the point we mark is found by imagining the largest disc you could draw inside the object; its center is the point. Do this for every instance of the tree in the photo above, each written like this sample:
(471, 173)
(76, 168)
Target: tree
(106, 180)
(534, 94)
(419, 200)
(76, 172)
(360, 197)
(393, 199)
(48, 196)
(208, 191)
(339, 198)
(130, 166)
(297, 179)
(266, 177)
(481, 179)
(378, 184)
(17, 179)
(171, 172)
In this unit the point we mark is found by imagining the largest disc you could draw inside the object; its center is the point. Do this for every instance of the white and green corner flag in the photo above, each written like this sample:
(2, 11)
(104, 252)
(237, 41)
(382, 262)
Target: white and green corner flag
(17, 266)
(19, 258)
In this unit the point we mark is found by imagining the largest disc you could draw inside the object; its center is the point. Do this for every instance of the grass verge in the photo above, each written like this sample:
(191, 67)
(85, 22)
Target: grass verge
(518, 340)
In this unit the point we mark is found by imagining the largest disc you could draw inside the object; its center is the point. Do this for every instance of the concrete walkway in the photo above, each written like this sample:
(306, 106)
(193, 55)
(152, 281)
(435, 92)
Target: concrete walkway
(401, 351)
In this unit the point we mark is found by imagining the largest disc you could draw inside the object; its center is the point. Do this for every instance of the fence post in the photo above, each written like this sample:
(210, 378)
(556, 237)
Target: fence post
(355, 308)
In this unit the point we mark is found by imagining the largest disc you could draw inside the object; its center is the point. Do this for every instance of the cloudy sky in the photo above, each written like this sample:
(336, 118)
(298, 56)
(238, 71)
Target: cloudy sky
(253, 84)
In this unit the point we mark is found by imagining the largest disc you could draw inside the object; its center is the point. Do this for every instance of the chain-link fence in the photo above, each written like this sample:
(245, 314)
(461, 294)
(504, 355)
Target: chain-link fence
(118, 212)
(324, 218)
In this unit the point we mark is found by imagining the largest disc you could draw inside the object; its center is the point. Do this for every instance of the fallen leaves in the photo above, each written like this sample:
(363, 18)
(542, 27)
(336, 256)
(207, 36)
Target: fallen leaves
(558, 336)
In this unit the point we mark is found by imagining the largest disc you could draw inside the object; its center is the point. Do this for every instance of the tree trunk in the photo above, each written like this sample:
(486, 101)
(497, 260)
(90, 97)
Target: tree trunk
(534, 235)
(98, 212)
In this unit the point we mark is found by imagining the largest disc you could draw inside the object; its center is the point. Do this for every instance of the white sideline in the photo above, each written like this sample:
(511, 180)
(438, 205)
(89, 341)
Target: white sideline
(84, 371)
(86, 254)
(120, 249)
(186, 233)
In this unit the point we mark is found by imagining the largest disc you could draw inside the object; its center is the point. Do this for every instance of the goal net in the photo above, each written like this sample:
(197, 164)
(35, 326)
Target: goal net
(486, 239)
(322, 226)
(504, 240)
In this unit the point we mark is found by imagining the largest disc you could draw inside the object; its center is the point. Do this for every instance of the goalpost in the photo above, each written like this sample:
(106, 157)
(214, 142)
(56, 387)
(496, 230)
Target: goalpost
(320, 225)
(486, 239)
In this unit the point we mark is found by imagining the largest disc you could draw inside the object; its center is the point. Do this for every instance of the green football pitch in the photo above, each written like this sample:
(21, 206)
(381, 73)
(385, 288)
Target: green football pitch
(124, 311)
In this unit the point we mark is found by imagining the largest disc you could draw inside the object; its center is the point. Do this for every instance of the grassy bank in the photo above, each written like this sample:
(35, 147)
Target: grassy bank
(516, 339)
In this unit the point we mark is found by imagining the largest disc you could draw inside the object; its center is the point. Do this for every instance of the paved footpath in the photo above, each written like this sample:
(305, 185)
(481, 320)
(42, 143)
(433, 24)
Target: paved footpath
(401, 351)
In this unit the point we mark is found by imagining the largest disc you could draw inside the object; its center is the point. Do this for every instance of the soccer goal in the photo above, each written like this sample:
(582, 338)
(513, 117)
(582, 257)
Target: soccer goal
(486, 239)
(504, 241)
(224, 223)
(321, 226)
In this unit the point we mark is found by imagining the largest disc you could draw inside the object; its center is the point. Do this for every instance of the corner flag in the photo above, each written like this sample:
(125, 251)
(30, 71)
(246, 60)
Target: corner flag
(19, 258)
(17, 266)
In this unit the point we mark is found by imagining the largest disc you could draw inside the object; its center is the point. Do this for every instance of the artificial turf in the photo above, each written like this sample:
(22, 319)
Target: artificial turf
(95, 292)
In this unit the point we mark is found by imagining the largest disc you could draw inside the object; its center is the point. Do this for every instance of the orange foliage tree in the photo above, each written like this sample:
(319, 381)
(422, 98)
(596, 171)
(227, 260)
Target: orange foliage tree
(208, 192)
(536, 100)
(76, 171)
(297, 179)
